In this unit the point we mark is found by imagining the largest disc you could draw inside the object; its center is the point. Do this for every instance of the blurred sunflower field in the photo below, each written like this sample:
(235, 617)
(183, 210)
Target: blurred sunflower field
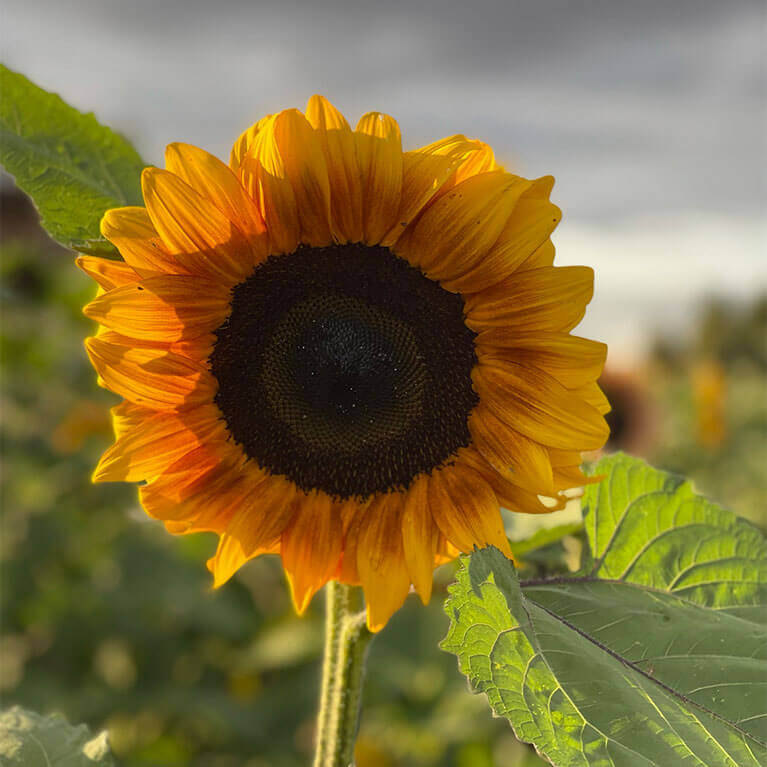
(107, 618)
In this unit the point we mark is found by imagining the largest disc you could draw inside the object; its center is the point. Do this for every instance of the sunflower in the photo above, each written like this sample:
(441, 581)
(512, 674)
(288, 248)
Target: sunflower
(344, 353)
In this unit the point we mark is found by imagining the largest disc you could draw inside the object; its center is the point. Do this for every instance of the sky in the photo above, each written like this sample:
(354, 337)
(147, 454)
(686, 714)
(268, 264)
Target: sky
(651, 115)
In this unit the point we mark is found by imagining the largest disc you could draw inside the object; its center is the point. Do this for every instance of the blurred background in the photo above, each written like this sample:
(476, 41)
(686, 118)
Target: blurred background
(652, 118)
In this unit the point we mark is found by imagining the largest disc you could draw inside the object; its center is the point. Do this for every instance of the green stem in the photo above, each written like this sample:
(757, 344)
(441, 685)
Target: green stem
(346, 642)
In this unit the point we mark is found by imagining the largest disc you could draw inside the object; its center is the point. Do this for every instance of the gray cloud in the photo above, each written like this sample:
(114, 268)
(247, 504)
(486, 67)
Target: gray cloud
(650, 114)
(636, 107)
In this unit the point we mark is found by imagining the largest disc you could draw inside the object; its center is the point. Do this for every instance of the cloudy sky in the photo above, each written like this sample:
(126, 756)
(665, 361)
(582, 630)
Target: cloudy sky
(651, 114)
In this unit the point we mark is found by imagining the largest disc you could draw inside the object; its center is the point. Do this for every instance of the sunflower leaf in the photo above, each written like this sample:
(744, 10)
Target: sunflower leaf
(28, 739)
(71, 166)
(654, 653)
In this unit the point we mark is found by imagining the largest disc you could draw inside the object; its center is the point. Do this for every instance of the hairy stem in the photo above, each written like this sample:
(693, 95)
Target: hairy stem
(343, 670)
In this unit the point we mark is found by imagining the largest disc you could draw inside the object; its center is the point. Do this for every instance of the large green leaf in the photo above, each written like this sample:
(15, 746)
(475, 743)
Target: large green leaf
(648, 527)
(655, 653)
(28, 739)
(73, 167)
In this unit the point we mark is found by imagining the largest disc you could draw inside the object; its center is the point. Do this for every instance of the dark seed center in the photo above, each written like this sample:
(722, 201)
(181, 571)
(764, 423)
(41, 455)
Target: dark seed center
(345, 369)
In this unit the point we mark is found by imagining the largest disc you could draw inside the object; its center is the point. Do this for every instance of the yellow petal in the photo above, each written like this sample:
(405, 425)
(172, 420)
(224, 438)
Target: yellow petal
(593, 394)
(542, 256)
(132, 232)
(198, 349)
(306, 168)
(568, 477)
(144, 451)
(461, 226)
(536, 405)
(154, 378)
(465, 508)
(572, 360)
(550, 298)
(381, 560)
(528, 226)
(165, 308)
(338, 143)
(419, 537)
(564, 457)
(311, 547)
(244, 144)
(265, 177)
(423, 175)
(472, 156)
(515, 456)
(194, 230)
(446, 552)
(210, 178)
(379, 151)
(126, 415)
(109, 274)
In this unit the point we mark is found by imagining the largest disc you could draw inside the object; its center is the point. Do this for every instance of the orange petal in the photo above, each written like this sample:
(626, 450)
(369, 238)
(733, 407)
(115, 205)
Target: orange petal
(253, 530)
(381, 560)
(311, 547)
(353, 513)
(419, 537)
(465, 508)
(338, 144)
(164, 308)
(208, 176)
(572, 360)
(536, 405)
(550, 298)
(154, 378)
(194, 230)
(108, 274)
(517, 457)
(132, 232)
(379, 151)
(145, 450)
(509, 494)
(207, 482)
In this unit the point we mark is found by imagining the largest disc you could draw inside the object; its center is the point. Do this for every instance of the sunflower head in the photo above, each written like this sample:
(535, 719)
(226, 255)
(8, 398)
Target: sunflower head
(342, 352)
